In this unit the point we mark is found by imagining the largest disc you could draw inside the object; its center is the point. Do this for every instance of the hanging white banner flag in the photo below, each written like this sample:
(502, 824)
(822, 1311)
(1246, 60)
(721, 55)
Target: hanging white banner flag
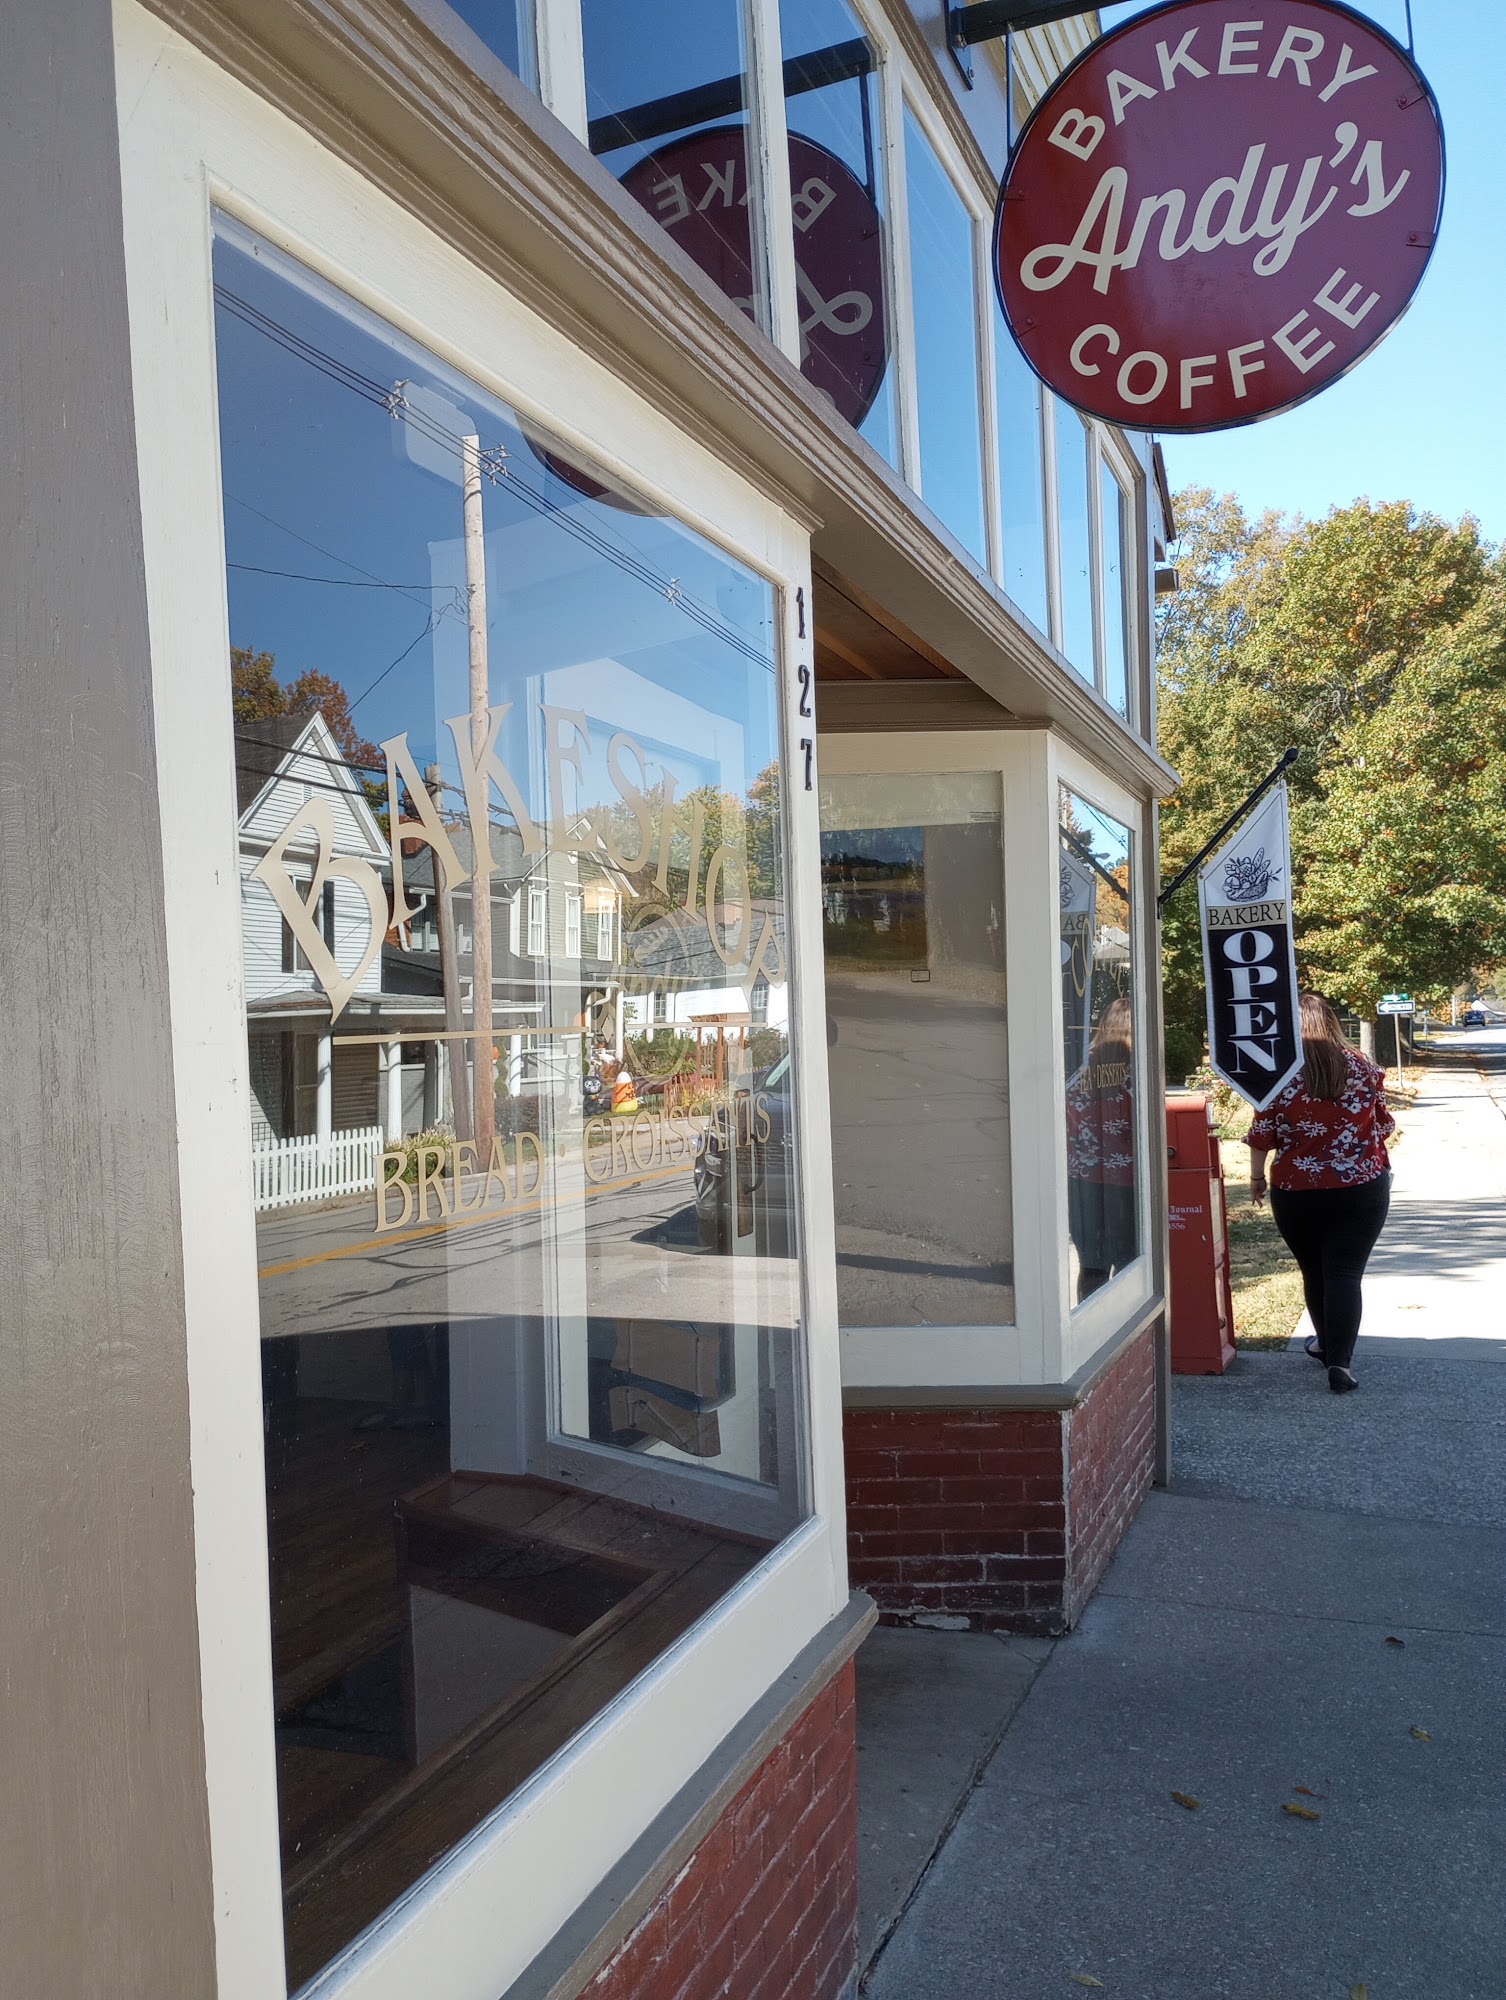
(1249, 960)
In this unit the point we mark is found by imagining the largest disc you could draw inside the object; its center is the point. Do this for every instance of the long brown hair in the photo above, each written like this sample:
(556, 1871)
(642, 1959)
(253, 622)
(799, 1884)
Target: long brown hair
(1325, 1059)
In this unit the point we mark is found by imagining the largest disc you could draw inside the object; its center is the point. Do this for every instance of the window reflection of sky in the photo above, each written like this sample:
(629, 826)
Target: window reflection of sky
(946, 347)
(629, 595)
(653, 49)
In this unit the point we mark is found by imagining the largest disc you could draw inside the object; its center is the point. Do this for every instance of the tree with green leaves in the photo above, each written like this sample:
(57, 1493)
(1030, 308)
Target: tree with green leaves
(1375, 642)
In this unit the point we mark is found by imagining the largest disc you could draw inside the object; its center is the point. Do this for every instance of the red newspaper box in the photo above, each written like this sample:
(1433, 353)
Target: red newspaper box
(1202, 1307)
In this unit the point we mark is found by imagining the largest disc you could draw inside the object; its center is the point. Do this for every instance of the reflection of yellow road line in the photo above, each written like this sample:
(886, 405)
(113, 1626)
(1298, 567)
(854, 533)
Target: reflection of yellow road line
(393, 1240)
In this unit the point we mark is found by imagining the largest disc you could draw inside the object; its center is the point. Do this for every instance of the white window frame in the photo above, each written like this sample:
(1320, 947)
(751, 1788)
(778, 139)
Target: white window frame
(1049, 1338)
(1089, 1325)
(606, 933)
(558, 40)
(193, 138)
(575, 904)
(538, 921)
(559, 44)
(915, 101)
(1111, 456)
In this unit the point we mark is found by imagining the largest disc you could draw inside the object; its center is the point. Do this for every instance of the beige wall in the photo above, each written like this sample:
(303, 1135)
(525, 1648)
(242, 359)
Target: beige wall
(104, 1870)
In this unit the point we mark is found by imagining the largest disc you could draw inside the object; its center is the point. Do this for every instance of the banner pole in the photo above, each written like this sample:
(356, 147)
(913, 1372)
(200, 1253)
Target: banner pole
(1289, 758)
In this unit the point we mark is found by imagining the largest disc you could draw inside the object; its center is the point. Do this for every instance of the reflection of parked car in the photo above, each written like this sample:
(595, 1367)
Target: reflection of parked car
(744, 1170)
(1475, 1017)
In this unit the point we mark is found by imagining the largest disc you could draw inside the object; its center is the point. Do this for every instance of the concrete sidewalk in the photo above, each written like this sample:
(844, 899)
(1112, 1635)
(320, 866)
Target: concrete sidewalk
(1241, 1648)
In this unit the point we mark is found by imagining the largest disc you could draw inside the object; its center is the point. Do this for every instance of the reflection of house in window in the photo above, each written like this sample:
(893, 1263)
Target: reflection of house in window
(574, 904)
(606, 925)
(758, 1001)
(280, 764)
(538, 922)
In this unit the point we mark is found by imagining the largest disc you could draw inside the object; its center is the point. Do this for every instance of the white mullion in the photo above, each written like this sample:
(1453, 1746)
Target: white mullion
(561, 48)
(1097, 581)
(988, 405)
(905, 375)
(769, 170)
(1051, 500)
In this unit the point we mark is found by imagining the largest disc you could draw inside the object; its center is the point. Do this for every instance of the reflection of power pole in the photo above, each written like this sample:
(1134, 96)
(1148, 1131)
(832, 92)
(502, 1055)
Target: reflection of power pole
(449, 974)
(481, 881)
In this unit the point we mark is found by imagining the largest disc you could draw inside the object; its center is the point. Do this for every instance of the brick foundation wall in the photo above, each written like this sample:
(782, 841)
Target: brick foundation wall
(1111, 1456)
(766, 1907)
(958, 1516)
(1001, 1520)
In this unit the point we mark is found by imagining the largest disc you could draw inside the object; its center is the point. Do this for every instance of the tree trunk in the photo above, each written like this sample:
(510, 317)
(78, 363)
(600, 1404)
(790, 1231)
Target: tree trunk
(1367, 1039)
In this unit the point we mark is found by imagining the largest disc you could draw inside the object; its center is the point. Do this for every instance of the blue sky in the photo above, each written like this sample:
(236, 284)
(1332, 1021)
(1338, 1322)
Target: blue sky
(1424, 418)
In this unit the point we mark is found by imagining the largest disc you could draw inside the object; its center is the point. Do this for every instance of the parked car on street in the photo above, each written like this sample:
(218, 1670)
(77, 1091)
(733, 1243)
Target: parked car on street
(1475, 1017)
(744, 1170)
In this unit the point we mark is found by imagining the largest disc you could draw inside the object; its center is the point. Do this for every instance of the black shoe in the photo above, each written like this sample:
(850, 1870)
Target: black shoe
(1341, 1381)
(1313, 1348)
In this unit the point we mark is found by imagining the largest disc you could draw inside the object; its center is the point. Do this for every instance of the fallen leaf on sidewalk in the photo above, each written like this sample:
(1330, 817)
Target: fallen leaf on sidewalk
(1421, 1734)
(1186, 1799)
(1301, 1812)
(1359, 1993)
(1086, 1979)
(1390, 1641)
(1308, 1792)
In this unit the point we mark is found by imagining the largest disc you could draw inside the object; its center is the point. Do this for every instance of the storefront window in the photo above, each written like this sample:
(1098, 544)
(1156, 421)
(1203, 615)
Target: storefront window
(507, 762)
(1098, 1022)
(912, 873)
(1017, 393)
(506, 28)
(833, 107)
(1116, 602)
(667, 102)
(946, 343)
(1075, 537)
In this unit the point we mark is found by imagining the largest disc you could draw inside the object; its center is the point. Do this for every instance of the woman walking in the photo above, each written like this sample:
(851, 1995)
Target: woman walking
(1331, 1184)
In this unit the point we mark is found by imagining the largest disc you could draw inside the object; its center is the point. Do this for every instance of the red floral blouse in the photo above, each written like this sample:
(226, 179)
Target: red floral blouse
(1328, 1143)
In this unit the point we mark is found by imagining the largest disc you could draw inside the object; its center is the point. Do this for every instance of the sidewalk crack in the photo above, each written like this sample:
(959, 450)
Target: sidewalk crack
(975, 1778)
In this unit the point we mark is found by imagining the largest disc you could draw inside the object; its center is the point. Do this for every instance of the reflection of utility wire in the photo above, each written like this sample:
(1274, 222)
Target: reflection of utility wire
(1086, 853)
(495, 464)
(319, 548)
(433, 619)
(247, 735)
(346, 582)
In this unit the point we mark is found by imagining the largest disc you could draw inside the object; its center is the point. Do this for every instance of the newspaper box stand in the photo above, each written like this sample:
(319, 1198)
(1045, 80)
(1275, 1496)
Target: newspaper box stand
(1202, 1308)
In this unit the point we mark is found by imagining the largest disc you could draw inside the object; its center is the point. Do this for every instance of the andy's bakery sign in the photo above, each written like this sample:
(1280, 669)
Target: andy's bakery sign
(1217, 210)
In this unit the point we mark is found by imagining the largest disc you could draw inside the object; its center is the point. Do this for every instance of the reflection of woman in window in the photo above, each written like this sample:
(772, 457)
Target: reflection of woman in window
(1101, 1153)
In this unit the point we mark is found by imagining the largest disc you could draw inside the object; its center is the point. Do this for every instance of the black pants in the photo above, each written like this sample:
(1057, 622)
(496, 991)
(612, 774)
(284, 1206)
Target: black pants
(1331, 1232)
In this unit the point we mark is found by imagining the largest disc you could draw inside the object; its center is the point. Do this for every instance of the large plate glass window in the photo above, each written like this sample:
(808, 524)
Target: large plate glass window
(667, 99)
(943, 288)
(1075, 539)
(1022, 505)
(912, 880)
(508, 777)
(506, 28)
(1098, 1033)
(1117, 545)
(834, 111)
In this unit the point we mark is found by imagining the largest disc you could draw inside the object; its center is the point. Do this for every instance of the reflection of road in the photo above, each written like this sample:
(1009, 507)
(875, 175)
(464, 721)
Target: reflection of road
(920, 1135)
(631, 1243)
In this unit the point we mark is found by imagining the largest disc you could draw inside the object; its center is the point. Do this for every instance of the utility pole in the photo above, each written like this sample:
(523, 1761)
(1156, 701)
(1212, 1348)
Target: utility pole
(449, 975)
(485, 1091)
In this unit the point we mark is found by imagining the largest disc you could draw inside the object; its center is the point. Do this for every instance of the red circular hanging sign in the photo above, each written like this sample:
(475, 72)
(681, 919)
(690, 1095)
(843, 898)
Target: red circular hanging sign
(1210, 217)
(697, 188)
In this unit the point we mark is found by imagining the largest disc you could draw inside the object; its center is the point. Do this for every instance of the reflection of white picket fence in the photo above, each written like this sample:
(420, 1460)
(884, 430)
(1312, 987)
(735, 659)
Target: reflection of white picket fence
(312, 1169)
